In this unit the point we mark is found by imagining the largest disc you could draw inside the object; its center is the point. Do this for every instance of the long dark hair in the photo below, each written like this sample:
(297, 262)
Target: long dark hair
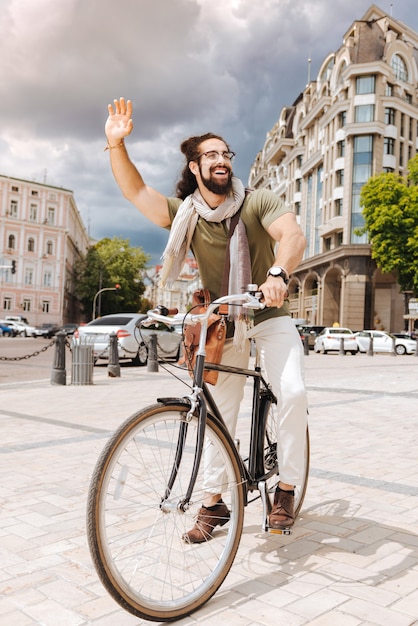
(190, 148)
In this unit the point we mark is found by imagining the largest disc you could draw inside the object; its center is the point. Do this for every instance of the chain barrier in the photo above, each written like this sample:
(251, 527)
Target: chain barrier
(27, 356)
(147, 343)
(69, 345)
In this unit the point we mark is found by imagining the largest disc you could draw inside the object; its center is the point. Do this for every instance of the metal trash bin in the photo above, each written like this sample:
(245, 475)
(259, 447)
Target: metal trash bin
(82, 364)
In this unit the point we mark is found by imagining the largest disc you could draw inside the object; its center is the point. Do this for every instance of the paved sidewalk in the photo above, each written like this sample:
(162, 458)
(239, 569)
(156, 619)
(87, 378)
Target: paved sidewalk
(352, 558)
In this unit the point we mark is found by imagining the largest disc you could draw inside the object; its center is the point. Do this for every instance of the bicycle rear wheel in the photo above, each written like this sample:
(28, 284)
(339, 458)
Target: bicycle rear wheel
(270, 456)
(136, 547)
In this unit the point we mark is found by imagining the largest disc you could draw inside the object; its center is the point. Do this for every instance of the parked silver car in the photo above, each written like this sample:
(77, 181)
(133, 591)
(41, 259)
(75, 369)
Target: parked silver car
(133, 341)
(330, 340)
(383, 342)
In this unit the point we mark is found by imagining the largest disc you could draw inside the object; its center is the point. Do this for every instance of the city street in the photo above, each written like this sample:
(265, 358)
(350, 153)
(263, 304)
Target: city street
(36, 367)
(352, 558)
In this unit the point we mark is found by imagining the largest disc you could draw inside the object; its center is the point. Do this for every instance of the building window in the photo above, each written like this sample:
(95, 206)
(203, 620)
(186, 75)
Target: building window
(362, 170)
(364, 113)
(389, 145)
(28, 276)
(390, 116)
(389, 90)
(342, 119)
(297, 208)
(33, 212)
(339, 178)
(49, 247)
(401, 145)
(31, 244)
(340, 148)
(47, 279)
(11, 242)
(340, 238)
(27, 304)
(298, 184)
(34, 193)
(388, 170)
(365, 84)
(13, 208)
(7, 303)
(399, 67)
(327, 243)
(51, 215)
(45, 306)
(338, 207)
(299, 160)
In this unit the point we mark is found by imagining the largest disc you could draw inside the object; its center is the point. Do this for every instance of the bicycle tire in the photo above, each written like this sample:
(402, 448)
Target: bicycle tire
(137, 549)
(271, 461)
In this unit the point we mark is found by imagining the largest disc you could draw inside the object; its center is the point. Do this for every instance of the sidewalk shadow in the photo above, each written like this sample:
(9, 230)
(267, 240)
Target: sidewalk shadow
(372, 552)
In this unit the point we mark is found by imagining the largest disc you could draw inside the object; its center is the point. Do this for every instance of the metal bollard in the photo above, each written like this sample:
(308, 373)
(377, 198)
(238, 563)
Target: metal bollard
(370, 350)
(152, 365)
(306, 345)
(113, 367)
(58, 373)
(394, 353)
(342, 351)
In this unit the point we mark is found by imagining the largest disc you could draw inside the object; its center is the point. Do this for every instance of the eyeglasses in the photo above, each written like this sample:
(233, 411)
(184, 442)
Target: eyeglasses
(213, 155)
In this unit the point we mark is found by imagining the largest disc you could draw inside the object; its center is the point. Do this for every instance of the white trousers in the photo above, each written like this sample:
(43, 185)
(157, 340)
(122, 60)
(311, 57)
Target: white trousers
(282, 361)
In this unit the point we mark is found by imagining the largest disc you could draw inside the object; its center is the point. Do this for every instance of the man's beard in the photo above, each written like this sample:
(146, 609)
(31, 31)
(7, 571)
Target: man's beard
(217, 187)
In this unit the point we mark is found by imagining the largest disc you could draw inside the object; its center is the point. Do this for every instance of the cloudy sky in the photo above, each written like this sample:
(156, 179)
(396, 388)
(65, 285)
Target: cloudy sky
(189, 66)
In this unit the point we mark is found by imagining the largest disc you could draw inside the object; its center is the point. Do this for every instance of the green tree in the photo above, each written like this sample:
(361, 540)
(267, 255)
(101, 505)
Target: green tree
(390, 210)
(108, 263)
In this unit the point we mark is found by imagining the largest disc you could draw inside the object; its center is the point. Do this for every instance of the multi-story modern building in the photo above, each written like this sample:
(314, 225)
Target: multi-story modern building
(41, 237)
(357, 119)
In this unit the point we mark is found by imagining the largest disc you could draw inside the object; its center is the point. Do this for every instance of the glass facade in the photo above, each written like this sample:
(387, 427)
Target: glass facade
(362, 170)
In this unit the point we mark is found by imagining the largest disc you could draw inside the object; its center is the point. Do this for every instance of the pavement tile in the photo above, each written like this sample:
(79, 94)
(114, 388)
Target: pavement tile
(352, 558)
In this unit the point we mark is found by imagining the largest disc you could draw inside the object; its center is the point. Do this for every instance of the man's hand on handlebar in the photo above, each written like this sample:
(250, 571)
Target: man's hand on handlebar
(275, 291)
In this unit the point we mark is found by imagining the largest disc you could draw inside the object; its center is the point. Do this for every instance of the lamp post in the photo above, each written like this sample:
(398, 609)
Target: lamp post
(99, 293)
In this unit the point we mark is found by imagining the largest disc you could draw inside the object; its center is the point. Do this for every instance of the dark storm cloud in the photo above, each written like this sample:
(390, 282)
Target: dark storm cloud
(189, 66)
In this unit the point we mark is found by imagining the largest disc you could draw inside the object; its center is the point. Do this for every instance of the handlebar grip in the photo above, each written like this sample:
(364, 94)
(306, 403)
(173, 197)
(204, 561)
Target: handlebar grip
(163, 310)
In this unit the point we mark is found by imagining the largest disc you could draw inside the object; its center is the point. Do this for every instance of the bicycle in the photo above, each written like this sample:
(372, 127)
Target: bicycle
(148, 485)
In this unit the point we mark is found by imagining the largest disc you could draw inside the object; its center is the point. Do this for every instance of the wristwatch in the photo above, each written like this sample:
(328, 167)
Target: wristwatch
(279, 272)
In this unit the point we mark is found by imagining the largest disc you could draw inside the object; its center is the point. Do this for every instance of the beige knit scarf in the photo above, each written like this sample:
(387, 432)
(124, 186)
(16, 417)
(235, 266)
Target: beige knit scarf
(184, 224)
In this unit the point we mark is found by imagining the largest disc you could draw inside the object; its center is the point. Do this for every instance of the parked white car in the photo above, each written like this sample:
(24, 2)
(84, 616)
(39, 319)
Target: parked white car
(383, 342)
(329, 340)
(21, 329)
(133, 341)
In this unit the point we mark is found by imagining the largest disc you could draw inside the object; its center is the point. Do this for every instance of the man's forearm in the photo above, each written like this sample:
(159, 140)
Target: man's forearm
(125, 173)
(290, 252)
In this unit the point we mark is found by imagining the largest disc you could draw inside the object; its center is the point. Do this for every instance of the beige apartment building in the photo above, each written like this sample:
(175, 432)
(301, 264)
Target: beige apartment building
(41, 235)
(357, 119)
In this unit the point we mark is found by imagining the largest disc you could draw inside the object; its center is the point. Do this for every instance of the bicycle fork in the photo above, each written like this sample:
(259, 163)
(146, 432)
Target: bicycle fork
(195, 402)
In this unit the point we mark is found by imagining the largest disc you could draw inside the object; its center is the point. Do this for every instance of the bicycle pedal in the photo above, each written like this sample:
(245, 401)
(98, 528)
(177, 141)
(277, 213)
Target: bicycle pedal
(280, 531)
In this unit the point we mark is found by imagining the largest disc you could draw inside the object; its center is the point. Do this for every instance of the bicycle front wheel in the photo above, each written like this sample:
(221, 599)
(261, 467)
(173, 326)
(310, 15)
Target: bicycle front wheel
(135, 543)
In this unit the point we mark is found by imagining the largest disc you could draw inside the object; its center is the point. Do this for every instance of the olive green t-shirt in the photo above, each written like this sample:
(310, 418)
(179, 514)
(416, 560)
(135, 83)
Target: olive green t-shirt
(260, 209)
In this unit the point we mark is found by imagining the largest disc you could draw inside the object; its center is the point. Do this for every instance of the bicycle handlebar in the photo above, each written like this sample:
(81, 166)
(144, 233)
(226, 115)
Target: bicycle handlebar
(249, 300)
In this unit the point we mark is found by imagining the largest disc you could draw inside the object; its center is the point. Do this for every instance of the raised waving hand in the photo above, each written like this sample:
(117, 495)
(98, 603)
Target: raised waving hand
(119, 123)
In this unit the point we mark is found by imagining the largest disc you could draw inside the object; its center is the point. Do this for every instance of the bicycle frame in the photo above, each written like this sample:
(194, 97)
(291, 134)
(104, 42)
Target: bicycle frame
(253, 474)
